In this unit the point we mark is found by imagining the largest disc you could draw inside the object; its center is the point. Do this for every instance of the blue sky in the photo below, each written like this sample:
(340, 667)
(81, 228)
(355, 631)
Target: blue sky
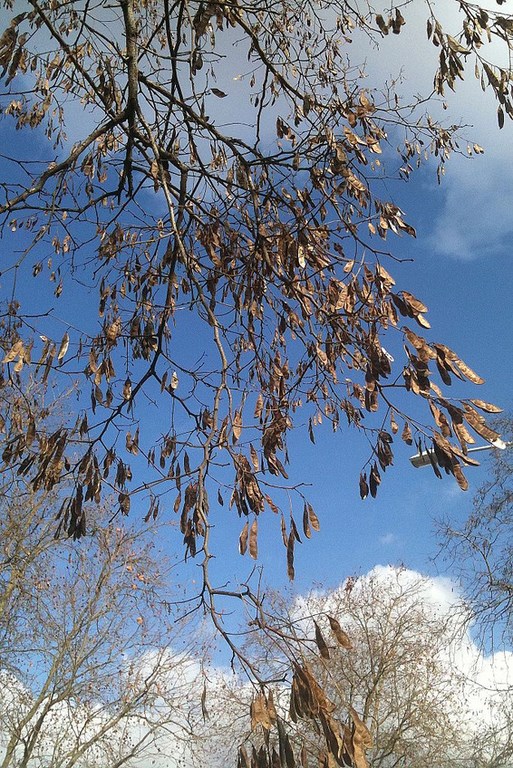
(469, 299)
(461, 269)
(460, 266)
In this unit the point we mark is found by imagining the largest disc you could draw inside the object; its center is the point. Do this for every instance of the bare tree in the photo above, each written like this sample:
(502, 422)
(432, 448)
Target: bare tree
(391, 646)
(92, 664)
(482, 549)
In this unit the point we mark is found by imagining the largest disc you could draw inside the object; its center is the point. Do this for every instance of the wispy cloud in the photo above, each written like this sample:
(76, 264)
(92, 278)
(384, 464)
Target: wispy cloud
(474, 218)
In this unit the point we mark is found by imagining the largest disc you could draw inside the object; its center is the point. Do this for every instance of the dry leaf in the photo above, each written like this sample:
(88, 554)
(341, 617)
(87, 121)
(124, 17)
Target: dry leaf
(342, 637)
(237, 425)
(364, 488)
(406, 434)
(16, 350)
(253, 536)
(320, 642)
(260, 714)
(306, 523)
(243, 539)
(259, 406)
(467, 371)
(290, 556)
(314, 520)
(488, 407)
(63, 347)
(254, 458)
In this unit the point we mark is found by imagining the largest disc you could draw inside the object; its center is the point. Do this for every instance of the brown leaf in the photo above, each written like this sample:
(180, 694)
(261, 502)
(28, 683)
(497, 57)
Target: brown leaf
(460, 477)
(421, 320)
(154, 170)
(31, 431)
(342, 637)
(479, 425)
(334, 739)
(384, 275)
(19, 365)
(127, 389)
(124, 503)
(271, 708)
(374, 480)
(259, 406)
(253, 536)
(290, 556)
(364, 488)
(320, 642)
(406, 434)
(16, 350)
(434, 464)
(243, 539)
(361, 740)
(306, 523)
(361, 728)
(113, 331)
(294, 529)
(237, 425)
(286, 753)
(314, 520)
(242, 758)
(462, 434)
(415, 305)
(254, 458)
(261, 714)
(283, 527)
(487, 407)
(63, 347)
(383, 26)
(400, 304)
(468, 372)
(442, 370)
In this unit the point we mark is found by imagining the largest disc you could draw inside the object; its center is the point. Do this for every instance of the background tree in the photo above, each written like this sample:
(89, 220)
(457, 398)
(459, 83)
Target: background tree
(272, 238)
(392, 646)
(92, 664)
(482, 549)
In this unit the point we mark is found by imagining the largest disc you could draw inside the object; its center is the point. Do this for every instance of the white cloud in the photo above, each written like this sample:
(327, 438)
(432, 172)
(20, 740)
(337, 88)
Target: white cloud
(424, 623)
(476, 193)
(476, 687)
(478, 199)
(166, 731)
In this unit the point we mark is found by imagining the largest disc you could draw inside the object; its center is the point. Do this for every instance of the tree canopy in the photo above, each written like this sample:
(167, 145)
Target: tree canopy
(203, 233)
(261, 237)
(481, 549)
(386, 645)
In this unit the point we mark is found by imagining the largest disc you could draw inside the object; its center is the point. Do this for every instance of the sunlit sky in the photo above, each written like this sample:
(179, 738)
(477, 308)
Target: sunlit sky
(459, 265)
